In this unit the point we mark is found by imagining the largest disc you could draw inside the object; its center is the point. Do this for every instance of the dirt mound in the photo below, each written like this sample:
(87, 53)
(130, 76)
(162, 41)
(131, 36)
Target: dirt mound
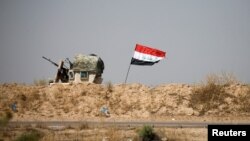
(130, 101)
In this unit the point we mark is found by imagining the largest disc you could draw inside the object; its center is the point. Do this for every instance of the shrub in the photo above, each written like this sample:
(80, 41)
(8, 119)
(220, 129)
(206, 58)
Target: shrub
(223, 78)
(30, 136)
(209, 95)
(146, 133)
(5, 118)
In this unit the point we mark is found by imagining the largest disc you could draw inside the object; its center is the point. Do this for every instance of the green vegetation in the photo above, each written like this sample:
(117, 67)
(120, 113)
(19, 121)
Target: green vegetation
(32, 135)
(146, 133)
(4, 118)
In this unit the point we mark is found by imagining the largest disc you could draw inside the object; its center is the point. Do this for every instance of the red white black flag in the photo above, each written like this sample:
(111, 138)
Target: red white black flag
(146, 56)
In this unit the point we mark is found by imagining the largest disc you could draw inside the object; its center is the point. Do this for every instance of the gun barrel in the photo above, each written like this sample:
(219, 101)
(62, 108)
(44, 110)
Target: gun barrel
(70, 63)
(50, 61)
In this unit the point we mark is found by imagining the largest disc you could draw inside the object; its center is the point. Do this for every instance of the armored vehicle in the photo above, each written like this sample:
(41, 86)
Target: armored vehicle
(84, 68)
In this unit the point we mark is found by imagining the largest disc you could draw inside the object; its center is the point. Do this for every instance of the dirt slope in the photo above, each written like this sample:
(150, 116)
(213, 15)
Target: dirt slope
(131, 101)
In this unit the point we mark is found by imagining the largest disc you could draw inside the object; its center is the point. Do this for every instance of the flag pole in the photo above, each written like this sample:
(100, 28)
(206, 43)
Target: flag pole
(127, 73)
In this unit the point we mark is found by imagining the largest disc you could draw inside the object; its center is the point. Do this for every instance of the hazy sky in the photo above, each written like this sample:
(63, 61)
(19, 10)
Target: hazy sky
(199, 36)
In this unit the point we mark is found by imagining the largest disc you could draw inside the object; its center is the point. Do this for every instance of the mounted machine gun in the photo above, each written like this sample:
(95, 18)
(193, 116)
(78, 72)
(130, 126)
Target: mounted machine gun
(62, 71)
(84, 68)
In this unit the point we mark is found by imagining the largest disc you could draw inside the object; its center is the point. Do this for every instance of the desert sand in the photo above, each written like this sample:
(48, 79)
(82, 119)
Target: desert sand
(125, 102)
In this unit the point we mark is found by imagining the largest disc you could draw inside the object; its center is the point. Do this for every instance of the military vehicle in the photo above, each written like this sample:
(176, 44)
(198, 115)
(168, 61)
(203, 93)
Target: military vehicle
(84, 68)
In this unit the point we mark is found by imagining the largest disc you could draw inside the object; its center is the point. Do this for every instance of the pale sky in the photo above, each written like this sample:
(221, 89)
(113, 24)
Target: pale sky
(199, 36)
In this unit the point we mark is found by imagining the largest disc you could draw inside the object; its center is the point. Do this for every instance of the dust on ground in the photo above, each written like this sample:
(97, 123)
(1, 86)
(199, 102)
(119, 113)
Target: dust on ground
(125, 102)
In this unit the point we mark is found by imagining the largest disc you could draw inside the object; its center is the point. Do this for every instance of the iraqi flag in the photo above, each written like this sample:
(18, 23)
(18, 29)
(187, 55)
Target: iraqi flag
(146, 55)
